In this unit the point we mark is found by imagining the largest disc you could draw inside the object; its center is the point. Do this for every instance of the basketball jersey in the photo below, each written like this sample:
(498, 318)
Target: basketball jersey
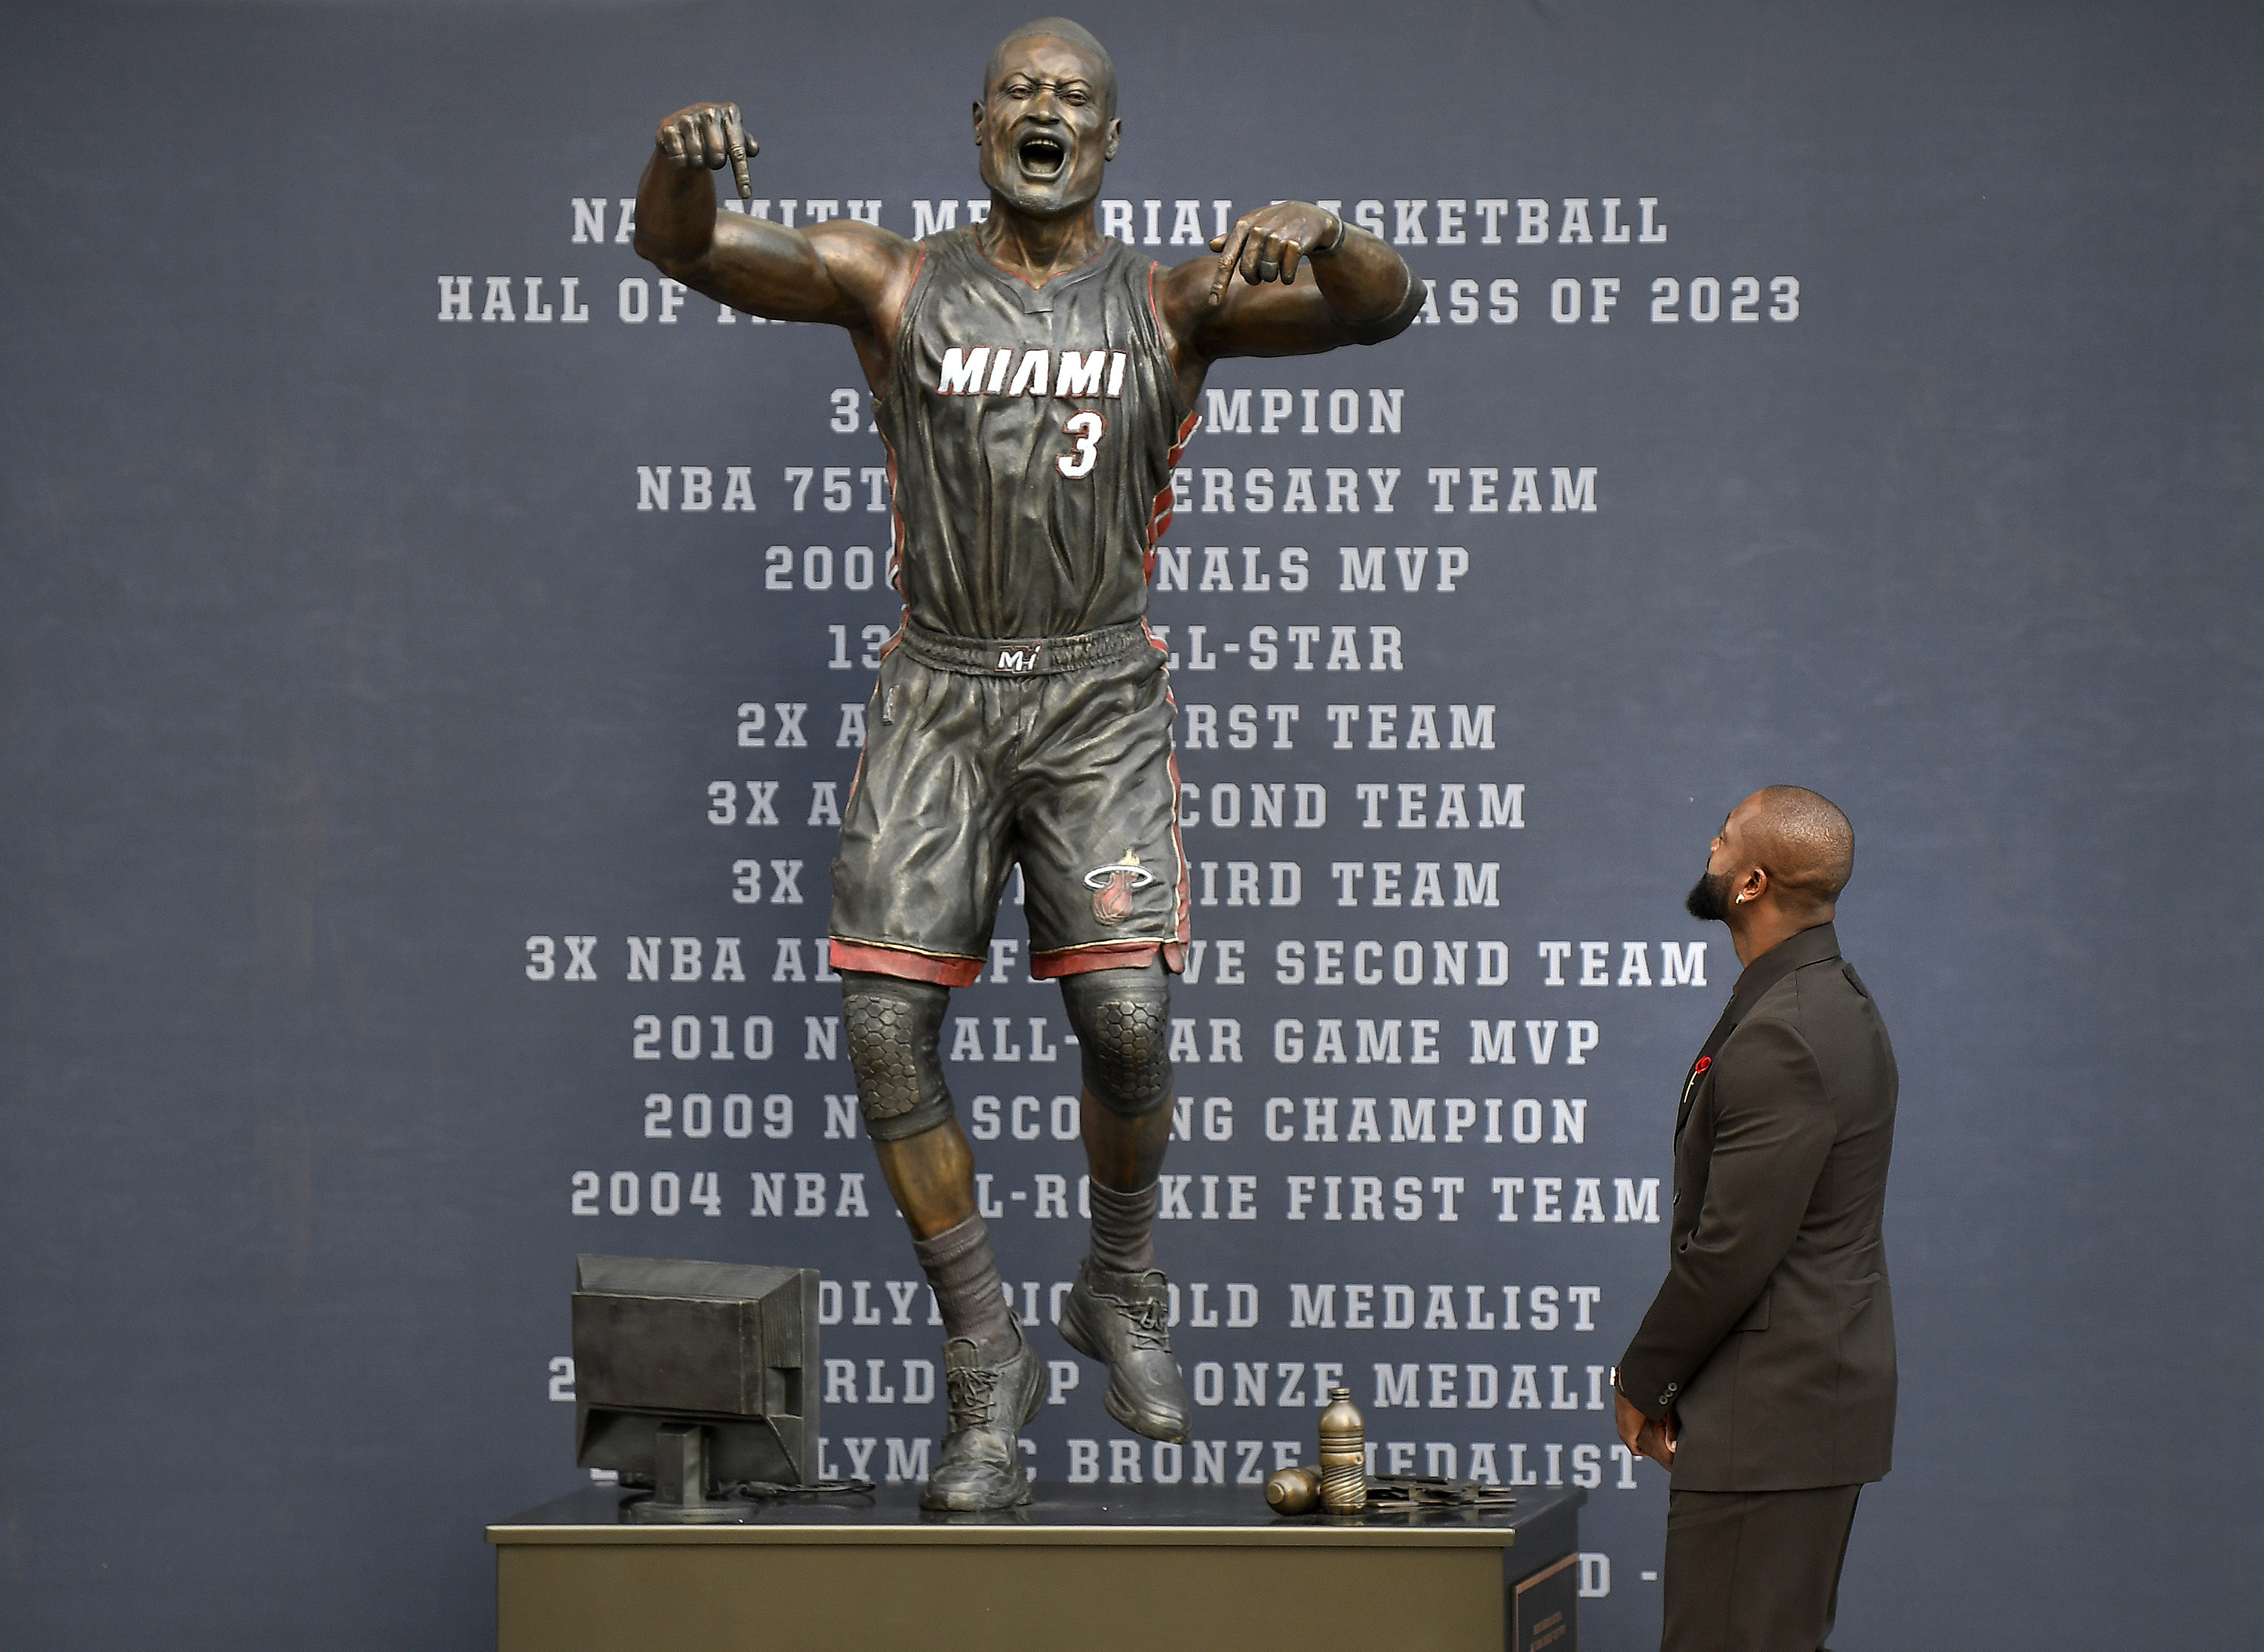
(1031, 434)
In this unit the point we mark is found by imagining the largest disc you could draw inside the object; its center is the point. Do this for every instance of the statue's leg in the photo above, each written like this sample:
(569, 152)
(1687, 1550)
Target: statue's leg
(1120, 1308)
(994, 1379)
(917, 879)
(1097, 836)
(1123, 1022)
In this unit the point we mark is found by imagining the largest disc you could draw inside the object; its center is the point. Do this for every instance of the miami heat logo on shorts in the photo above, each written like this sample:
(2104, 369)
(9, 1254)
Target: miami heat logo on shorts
(1112, 888)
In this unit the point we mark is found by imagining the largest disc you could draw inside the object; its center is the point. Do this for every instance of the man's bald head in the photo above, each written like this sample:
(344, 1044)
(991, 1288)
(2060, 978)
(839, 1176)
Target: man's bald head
(1802, 840)
(1784, 851)
(1069, 34)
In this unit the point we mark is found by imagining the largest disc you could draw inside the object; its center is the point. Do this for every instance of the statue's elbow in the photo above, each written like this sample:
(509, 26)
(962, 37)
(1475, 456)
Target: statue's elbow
(1398, 321)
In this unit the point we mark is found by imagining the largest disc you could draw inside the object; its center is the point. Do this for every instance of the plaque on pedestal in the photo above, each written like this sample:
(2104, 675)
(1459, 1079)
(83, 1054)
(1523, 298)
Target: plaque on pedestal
(1544, 1609)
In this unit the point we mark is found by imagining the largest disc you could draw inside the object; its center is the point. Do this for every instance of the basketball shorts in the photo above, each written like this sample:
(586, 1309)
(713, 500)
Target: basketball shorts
(1055, 754)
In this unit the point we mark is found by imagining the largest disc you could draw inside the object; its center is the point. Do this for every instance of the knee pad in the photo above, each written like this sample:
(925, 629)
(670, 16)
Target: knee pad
(1122, 1019)
(892, 1027)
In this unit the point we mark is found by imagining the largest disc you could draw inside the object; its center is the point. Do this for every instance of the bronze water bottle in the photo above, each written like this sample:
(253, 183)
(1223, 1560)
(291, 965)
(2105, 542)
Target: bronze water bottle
(1344, 1455)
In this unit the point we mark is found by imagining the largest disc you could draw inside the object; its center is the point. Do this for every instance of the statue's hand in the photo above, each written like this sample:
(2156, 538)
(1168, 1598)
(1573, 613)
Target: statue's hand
(710, 136)
(1265, 245)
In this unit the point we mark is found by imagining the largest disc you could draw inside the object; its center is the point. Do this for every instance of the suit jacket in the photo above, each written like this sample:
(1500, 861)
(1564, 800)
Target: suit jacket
(1774, 1335)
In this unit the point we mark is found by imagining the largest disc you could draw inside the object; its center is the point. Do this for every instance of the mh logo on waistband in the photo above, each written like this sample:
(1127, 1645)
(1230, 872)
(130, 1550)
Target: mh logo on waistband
(1020, 657)
(986, 371)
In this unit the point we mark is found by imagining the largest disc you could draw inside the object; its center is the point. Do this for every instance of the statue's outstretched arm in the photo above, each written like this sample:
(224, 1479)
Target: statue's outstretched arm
(851, 274)
(1308, 282)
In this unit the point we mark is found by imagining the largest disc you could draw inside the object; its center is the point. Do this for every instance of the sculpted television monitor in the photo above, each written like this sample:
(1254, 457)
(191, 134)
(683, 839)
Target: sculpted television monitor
(695, 1377)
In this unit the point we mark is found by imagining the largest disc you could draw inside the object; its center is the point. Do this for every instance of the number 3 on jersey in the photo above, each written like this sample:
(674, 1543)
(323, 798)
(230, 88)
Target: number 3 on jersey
(1085, 428)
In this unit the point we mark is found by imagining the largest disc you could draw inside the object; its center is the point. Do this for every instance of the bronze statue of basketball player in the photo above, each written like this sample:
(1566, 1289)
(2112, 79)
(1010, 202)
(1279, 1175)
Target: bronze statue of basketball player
(1034, 381)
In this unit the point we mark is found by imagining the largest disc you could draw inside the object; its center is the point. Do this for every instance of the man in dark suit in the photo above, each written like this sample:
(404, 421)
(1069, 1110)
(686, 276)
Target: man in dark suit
(1763, 1376)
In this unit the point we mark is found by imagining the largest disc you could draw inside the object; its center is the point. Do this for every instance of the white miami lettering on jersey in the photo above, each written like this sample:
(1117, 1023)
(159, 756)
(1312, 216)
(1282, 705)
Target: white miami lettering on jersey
(987, 370)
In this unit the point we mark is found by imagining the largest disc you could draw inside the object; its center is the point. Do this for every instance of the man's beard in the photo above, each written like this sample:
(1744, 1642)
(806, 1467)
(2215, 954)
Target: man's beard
(1708, 900)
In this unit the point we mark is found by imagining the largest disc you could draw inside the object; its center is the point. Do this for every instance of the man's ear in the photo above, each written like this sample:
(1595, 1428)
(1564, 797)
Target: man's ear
(1753, 885)
(978, 123)
(1115, 137)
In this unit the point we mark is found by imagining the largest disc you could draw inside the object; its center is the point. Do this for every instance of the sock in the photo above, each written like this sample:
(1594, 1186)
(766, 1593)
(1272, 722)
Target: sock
(968, 1291)
(1124, 1229)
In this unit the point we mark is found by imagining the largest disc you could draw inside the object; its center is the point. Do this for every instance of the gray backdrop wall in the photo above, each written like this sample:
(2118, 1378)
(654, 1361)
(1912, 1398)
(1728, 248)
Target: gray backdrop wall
(367, 642)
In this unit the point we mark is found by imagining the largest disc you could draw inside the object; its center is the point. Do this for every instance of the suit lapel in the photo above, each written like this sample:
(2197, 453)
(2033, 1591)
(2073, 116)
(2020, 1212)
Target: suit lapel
(1811, 945)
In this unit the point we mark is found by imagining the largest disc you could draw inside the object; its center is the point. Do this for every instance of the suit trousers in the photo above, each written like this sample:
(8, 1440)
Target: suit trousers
(1755, 1571)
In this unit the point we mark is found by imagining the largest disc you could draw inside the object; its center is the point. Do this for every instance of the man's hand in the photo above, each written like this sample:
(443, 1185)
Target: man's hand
(845, 274)
(1265, 245)
(709, 135)
(1358, 292)
(1642, 1436)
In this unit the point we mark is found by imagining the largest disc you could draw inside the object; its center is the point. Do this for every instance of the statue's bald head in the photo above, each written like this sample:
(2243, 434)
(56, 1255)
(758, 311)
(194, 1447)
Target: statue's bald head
(1802, 840)
(1069, 34)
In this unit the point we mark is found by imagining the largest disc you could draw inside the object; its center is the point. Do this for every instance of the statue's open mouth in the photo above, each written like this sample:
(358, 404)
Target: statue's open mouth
(1041, 157)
